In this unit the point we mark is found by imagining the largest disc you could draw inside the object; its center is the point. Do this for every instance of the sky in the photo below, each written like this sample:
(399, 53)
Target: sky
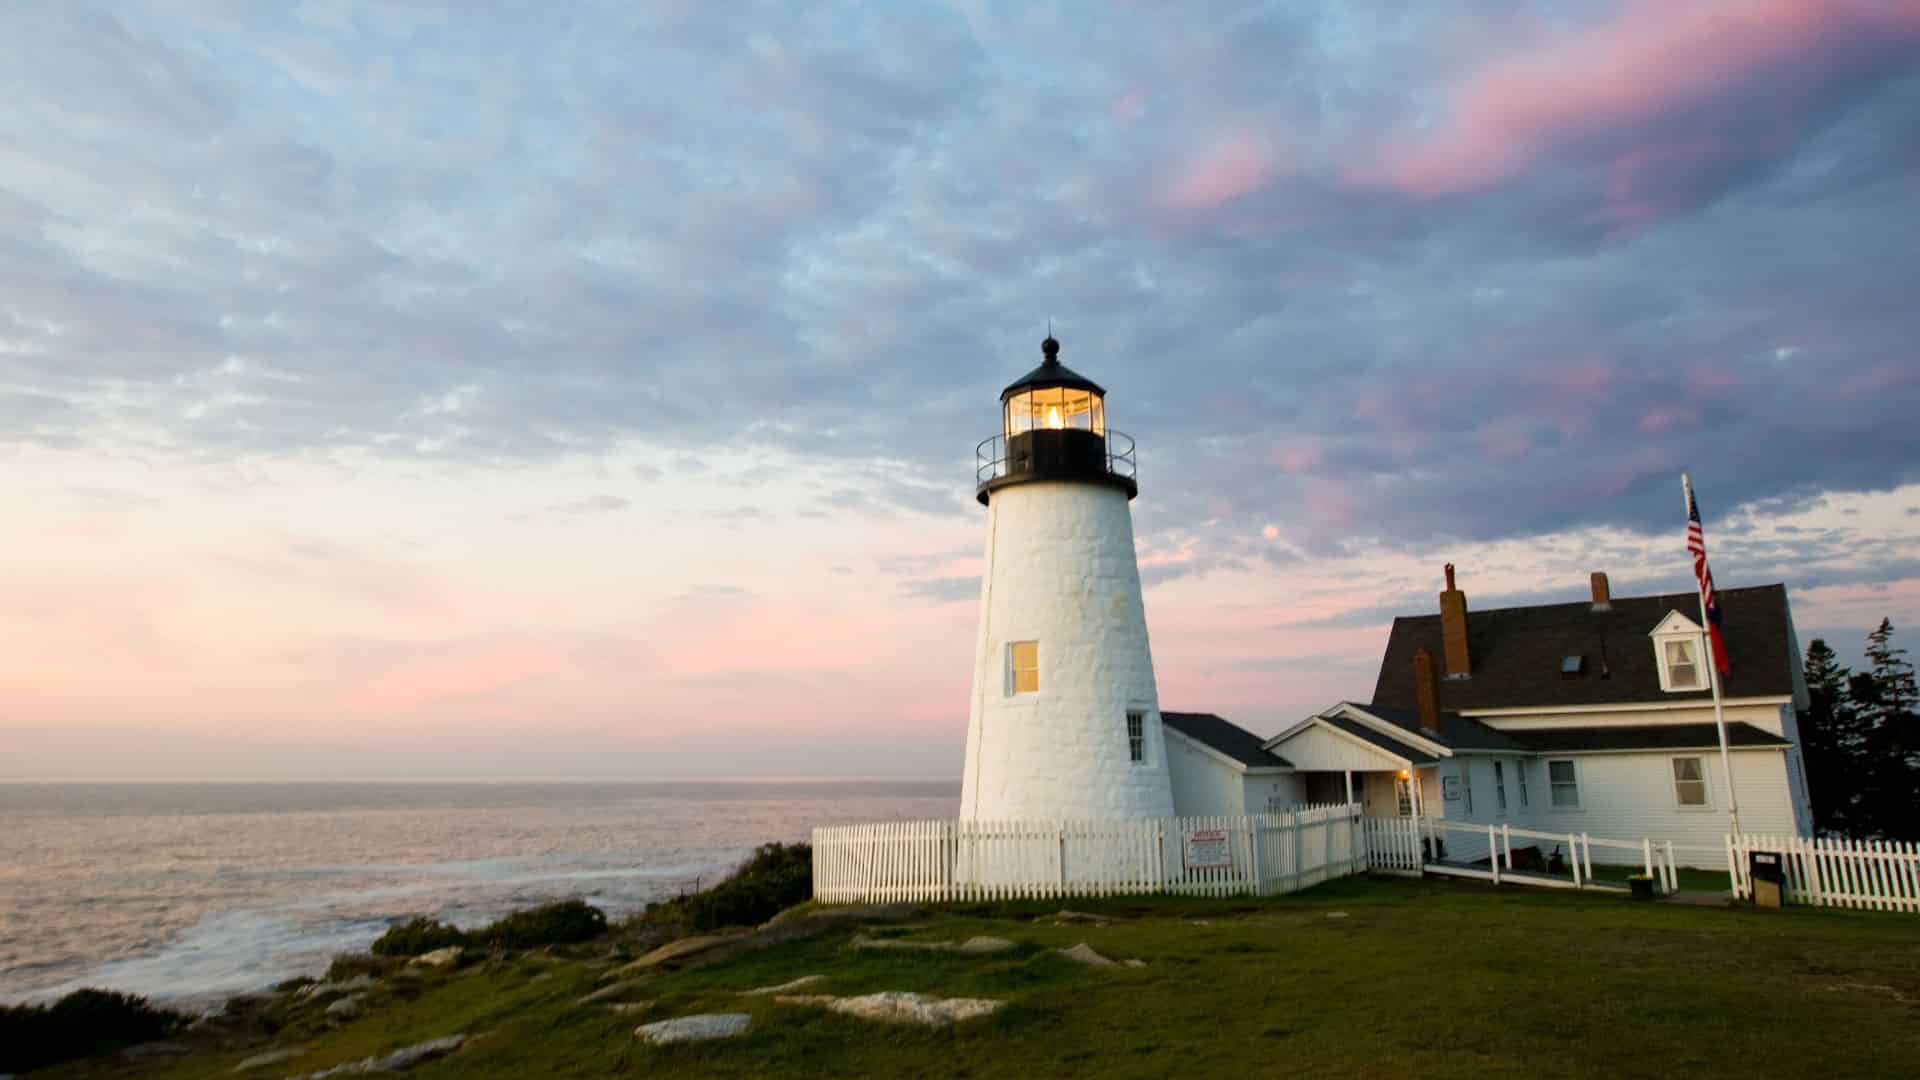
(495, 389)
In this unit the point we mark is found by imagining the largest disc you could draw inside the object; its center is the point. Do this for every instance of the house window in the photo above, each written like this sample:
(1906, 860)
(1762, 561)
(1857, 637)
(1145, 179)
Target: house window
(1023, 667)
(1689, 782)
(1500, 786)
(1683, 664)
(1565, 784)
(1136, 737)
(1520, 773)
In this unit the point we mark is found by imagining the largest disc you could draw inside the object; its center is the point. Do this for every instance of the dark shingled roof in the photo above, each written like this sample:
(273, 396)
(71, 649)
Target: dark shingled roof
(1645, 737)
(1380, 739)
(1456, 732)
(1517, 651)
(1228, 738)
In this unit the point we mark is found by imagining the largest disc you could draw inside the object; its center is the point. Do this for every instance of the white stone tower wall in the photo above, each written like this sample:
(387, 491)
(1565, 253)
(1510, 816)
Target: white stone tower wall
(1061, 570)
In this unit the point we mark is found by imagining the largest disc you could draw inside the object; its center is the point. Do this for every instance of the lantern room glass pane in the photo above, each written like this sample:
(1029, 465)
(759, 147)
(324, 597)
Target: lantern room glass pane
(1056, 408)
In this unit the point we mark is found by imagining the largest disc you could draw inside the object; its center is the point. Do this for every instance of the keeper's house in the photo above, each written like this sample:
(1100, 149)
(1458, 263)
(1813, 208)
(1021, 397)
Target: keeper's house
(1593, 717)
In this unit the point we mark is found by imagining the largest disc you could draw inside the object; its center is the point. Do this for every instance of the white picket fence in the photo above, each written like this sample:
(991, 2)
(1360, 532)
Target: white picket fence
(1393, 845)
(1872, 875)
(1264, 855)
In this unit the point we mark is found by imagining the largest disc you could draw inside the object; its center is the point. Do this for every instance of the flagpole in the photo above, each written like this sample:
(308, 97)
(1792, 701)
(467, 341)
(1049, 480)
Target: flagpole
(1713, 680)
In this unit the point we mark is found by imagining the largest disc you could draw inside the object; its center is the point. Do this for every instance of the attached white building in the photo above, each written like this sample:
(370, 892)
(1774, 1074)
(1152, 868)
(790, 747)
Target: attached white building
(1592, 717)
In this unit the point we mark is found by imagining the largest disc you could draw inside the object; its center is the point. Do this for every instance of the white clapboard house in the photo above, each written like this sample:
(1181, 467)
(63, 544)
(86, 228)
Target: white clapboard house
(1591, 717)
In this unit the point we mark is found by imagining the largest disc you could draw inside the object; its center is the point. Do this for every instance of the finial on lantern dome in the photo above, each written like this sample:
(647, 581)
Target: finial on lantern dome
(1050, 348)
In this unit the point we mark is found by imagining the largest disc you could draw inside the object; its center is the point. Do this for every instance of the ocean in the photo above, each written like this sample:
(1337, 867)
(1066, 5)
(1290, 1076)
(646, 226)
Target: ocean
(188, 893)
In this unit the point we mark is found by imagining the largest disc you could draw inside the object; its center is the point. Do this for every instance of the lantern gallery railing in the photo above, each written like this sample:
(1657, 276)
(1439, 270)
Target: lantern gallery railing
(992, 462)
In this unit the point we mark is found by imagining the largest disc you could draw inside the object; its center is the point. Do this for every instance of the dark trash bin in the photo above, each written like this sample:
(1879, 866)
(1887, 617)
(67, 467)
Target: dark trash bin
(1767, 874)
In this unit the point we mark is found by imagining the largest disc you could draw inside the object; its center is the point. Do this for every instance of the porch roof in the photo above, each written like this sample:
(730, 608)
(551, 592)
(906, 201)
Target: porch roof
(1401, 751)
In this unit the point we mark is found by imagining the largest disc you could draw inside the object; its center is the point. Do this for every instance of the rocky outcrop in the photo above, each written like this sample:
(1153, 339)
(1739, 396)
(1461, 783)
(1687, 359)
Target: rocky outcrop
(607, 993)
(397, 1061)
(1085, 954)
(675, 954)
(441, 958)
(975, 945)
(899, 1007)
(321, 991)
(277, 1056)
(794, 984)
(697, 1028)
(351, 1007)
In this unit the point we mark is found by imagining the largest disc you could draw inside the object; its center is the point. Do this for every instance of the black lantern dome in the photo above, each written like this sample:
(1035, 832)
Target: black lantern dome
(1054, 427)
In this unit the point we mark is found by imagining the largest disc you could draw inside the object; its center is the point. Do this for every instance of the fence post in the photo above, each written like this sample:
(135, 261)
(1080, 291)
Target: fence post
(1506, 839)
(1587, 839)
(1493, 855)
(1573, 857)
(1646, 842)
(1253, 851)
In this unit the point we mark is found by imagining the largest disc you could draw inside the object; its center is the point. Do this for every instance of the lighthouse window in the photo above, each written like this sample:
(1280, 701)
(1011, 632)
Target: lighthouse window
(1023, 661)
(1056, 408)
(1136, 737)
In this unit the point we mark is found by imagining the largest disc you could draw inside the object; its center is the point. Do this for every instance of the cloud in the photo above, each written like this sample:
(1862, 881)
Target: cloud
(1366, 282)
(1667, 106)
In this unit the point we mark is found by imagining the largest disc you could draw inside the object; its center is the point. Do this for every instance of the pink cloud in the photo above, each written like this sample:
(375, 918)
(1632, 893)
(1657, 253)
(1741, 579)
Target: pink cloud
(1502, 442)
(1128, 106)
(1227, 171)
(1666, 418)
(1657, 60)
(1299, 456)
(426, 682)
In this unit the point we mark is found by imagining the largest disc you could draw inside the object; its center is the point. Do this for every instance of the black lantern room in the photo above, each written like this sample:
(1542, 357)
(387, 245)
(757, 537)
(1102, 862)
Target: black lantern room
(1053, 426)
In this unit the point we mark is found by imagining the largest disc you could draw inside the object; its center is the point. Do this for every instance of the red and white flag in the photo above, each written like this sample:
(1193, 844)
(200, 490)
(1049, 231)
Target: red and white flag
(1697, 545)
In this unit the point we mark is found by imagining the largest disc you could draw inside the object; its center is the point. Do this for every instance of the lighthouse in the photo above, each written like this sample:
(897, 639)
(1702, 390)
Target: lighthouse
(1065, 718)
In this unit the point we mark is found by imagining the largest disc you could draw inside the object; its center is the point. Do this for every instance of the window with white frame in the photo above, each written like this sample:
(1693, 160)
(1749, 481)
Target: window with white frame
(1563, 780)
(1403, 795)
(1500, 787)
(1689, 782)
(1136, 736)
(1520, 773)
(1023, 667)
(1680, 661)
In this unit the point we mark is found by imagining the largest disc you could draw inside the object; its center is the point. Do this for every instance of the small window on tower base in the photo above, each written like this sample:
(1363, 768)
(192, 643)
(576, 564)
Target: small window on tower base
(1136, 737)
(1023, 667)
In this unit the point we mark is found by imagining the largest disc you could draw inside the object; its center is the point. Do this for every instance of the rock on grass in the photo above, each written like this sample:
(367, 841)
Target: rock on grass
(795, 984)
(405, 1058)
(697, 1028)
(899, 1007)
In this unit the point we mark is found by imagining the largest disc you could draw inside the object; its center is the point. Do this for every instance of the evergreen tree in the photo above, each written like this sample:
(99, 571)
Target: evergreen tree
(1889, 761)
(1831, 739)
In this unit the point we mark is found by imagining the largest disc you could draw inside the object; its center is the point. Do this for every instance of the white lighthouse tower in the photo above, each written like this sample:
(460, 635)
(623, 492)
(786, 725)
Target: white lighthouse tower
(1065, 718)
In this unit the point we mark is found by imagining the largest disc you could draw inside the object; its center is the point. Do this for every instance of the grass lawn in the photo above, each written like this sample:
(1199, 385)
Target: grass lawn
(1691, 880)
(1419, 978)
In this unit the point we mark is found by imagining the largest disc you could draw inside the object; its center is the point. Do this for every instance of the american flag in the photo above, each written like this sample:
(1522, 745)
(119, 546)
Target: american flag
(1697, 544)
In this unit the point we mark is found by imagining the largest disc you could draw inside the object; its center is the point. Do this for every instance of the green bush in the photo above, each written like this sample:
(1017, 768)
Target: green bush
(416, 936)
(82, 1024)
(775, 878)
(561, 923)
(350, 965)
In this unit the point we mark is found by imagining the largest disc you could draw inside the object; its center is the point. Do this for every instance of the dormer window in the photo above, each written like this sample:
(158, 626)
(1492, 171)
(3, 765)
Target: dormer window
(1676, 646)
(1683, 665)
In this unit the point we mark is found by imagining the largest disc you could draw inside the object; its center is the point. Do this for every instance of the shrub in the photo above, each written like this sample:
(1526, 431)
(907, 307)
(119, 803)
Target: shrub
(561, 923)
(84, 1023)
(348, 965)
(775, 878)
(416, 936)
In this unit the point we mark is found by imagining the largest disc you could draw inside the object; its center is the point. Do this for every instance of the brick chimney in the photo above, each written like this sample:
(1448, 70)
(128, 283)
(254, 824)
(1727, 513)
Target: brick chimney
(1453, 630)
(1602, 596)
(1426, 692)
